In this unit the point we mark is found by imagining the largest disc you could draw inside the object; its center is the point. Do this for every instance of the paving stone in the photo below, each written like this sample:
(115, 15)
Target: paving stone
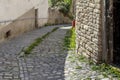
(105, 79)
(48, 61)
(48, 66)
(22, 75)
(9, 52)
(16, 77)
(8, 76)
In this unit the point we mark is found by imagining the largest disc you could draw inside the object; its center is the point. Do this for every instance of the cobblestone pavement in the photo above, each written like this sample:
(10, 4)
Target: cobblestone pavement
(48, 61)
(10, 65)
(78, 68)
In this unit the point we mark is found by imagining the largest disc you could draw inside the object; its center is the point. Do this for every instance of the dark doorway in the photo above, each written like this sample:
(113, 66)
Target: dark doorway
(8, 34)
(116, 33)
(36, 18)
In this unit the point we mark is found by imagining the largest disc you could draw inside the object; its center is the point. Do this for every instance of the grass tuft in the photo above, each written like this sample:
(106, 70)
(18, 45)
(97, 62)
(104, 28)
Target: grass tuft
(107, 70)
(78, 67)
(37, 42)
(69, 40)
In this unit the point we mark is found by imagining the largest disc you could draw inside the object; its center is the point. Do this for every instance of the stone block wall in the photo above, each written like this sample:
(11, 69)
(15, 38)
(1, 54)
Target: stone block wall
(88, 28)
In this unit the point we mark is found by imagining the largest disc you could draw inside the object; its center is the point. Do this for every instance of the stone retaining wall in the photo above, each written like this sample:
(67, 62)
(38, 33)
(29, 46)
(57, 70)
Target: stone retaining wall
(56, 17)
(88, 28)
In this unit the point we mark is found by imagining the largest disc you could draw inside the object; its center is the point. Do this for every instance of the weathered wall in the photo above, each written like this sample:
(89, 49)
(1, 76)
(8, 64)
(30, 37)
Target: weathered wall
(17, 8)
(18, 16)
(18, 26)
(56, 17)
(88, 28)
(43, 12)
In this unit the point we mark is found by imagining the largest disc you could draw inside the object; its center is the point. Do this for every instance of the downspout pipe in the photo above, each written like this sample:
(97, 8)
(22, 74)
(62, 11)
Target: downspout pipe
(104, 31)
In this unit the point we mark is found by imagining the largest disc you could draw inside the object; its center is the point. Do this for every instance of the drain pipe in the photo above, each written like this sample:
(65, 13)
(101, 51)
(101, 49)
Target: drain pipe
(104, 30)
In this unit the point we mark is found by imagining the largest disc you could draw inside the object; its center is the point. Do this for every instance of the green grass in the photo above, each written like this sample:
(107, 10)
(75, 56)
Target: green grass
(78, 67)
(37, 42)
(69, 40)
(82, 58)
(107, 70)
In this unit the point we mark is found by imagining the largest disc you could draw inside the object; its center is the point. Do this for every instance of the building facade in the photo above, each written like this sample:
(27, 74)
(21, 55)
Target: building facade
(18, 16)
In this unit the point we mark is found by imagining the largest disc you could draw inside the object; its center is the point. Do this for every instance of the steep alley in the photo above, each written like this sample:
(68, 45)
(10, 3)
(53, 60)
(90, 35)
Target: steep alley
(47, 61)
(10, 63)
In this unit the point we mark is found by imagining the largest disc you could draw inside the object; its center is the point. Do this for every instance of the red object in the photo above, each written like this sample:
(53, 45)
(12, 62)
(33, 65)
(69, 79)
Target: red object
(73, 23)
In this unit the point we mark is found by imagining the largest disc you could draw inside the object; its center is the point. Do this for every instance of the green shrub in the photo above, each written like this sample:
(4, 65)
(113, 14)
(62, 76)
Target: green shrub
(54, 2)
(62, 5)
(69, 40)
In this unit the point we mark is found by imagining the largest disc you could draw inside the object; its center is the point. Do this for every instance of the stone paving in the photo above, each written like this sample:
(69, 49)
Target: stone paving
(10, 64)
(48, 61)
(78, 68)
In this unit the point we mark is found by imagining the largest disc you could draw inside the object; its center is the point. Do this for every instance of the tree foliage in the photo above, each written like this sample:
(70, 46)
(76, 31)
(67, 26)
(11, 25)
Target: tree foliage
(54, 2)
(62, 5)
(68, 1)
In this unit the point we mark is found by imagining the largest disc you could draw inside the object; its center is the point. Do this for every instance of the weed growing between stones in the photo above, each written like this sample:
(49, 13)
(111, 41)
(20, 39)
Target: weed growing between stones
(37, 42)
(78, 67)
(69, 40)
(105, 69)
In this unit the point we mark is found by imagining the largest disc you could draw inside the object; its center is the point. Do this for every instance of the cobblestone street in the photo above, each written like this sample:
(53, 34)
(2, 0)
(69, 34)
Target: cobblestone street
(14, 68)
(59, 40)
(48, 61)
